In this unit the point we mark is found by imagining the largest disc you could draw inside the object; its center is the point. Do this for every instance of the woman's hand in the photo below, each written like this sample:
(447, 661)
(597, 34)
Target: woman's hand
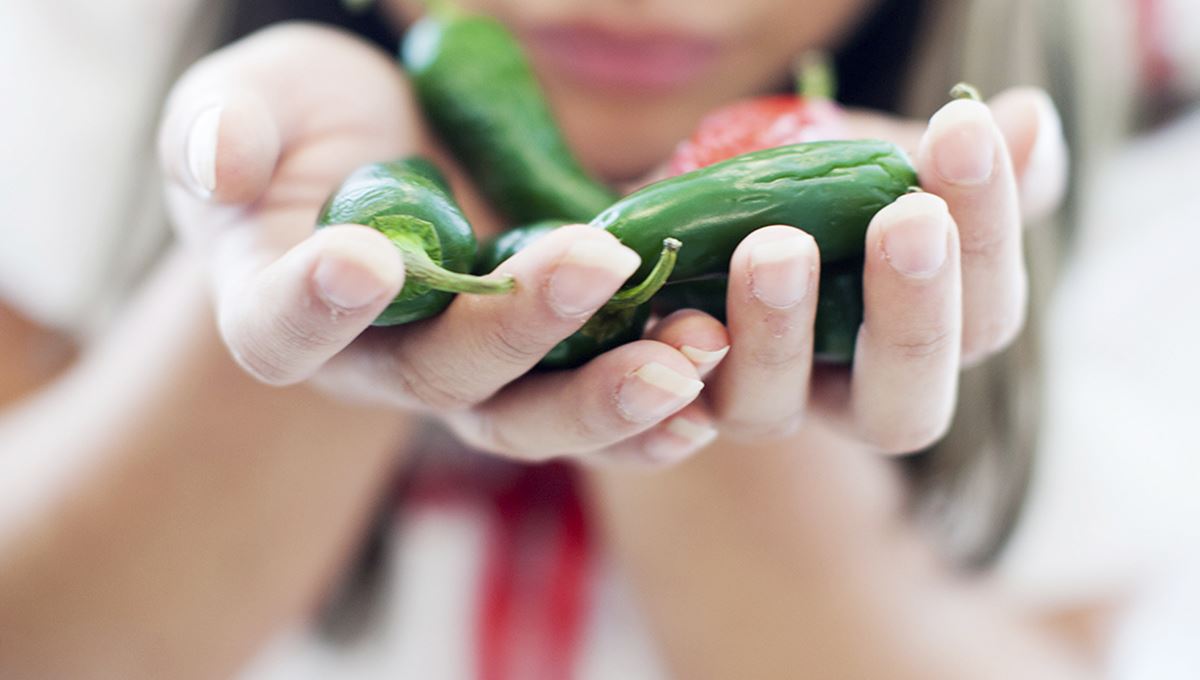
(802, 537)
(944, 286)
(254, 140)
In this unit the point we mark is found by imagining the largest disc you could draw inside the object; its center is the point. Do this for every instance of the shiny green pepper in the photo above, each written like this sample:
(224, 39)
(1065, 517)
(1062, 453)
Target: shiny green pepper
(410, 202)
(618, 322)
(831, 190)
(477, 89)
(839, 307)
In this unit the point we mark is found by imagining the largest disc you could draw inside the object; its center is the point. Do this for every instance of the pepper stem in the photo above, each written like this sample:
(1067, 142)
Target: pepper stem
(442, 9)
(654, 281)
(420, 268)
(966, 91)
(814, 76)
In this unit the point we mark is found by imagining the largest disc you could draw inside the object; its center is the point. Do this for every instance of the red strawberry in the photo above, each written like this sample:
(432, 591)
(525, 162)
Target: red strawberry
(766, 122)
(757, 124)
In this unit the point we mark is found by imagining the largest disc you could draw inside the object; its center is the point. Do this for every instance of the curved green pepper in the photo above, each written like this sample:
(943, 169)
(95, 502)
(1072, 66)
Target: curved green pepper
(509, 243)
(839, 307)
(620, 321)
(477, 89)
(410, 202)
(829, 189)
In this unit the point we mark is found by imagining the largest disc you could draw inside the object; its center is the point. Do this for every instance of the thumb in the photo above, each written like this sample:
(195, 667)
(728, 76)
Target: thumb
(218, 144)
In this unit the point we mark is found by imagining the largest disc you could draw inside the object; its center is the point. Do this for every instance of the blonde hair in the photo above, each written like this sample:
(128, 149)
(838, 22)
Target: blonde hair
(969, 490)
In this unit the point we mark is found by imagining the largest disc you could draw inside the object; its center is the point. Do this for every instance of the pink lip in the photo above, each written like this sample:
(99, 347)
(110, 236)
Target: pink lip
(643, 61)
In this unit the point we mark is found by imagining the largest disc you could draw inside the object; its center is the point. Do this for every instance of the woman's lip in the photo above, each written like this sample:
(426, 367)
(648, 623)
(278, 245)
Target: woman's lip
(638, 61)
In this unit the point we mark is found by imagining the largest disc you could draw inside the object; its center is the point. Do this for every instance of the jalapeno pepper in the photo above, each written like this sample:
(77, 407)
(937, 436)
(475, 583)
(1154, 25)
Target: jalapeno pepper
(477, 89)
(829, 189)
(619, 321)
(839, 307)
(410, 202)
(832, 190)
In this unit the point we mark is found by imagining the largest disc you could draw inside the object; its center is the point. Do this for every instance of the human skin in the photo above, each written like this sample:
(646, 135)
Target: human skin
(278, 148)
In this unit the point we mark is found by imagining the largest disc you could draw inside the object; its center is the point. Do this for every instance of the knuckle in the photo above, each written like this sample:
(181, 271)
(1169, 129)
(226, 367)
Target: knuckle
(298, 333)
(985, 243)
(270, 351)
(435, 389)
(775, 355)
(261, 364)
(923, 343)
(510, 342)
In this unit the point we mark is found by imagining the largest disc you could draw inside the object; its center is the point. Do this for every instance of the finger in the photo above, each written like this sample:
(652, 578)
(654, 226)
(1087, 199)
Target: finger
(296, 313)
(1033, 130)
(617, 395)
(220, 144)
(280, 93)
(481, 343)
(697, 336)
(762, 386)
(906, 361)
(676, 439)
(963, 159)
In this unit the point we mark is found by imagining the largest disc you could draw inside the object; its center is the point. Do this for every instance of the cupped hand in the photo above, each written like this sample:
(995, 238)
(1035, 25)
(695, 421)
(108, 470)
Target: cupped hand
(945, 286)
(254, 139)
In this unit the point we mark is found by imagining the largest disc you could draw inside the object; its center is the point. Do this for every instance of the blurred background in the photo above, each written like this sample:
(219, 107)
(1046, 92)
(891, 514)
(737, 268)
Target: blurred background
(1115, 496)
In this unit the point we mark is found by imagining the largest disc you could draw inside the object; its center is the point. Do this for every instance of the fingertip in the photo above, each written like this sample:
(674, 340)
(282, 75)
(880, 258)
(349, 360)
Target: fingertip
(779, 265)
(220, 146)
(913, 236)
(285, 321)
(355, 267)
(1033, 129)
(908, 206)
(698, 336)
(655, 380)
(961, 147)
(247, 151)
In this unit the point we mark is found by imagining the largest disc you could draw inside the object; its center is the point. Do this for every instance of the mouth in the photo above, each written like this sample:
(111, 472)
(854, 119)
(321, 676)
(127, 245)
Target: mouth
(600, 57)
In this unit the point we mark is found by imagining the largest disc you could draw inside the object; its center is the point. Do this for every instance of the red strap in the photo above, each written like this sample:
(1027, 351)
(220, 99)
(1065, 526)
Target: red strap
(534, 578)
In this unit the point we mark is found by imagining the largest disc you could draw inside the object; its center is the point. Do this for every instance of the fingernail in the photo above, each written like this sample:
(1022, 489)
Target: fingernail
(202, 150)
(1045, 178)
(964, 151)
(348, 283)
(681, 438)
(655, 391)
(587, 274)
(704, 359)
(781, 271)
(916, 246)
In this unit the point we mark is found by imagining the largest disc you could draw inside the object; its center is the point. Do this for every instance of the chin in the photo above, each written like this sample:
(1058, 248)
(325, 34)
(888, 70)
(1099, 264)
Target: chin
(618, 139)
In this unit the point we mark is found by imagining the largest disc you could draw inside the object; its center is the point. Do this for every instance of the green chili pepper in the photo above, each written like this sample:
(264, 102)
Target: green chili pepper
(829, 189)
(509, 243)
(839, 312)
(410, 202)
(477, 89)
(839, 307)
(619, 321)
